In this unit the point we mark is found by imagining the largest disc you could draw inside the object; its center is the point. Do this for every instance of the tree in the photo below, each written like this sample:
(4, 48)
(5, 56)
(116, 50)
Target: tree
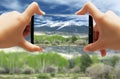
(73, 39)
(85, 62)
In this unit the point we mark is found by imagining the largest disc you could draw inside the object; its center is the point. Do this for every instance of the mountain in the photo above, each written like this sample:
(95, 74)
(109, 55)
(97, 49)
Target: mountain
(69, 29)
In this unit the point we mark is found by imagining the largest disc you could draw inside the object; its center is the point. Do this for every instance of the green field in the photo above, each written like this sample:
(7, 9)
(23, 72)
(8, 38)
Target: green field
(24, 65)
(59, 40)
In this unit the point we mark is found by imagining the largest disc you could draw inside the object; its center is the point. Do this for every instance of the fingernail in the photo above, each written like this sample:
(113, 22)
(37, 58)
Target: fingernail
(85, 50)
(43, 13)
(76, 13)
(40, 49)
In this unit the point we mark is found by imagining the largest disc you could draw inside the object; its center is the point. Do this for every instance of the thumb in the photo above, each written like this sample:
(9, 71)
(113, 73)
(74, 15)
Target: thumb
(32, 8)
(93, 46)
(30, 47)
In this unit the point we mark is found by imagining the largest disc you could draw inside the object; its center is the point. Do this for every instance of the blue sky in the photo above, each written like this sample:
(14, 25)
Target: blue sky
(60, 6)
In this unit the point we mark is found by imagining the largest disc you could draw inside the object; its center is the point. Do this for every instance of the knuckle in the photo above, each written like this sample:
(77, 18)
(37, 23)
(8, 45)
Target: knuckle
(101, 18)
(15, 12)
(20, 19)
(31, 49)
(87, 4)
(109, 12)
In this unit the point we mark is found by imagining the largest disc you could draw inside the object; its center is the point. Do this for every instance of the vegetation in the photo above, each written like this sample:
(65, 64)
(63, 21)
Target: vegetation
(51, 64)
(85, 62)
(55, 40)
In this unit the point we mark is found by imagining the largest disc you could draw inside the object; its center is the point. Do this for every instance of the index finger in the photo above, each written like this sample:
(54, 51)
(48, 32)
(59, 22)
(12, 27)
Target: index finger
(31, 9)
(90, 8)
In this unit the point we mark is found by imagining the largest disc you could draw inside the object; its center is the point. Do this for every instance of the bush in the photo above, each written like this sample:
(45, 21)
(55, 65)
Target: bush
(77, 60)
(114, 60)
(27, 70)
(111, 60)
(4, 70)
(17, 70)
(95, 59)
(51, 69)
(43, 76)
(76, 69)
(117, 71)
(99, 71)
(85, 62)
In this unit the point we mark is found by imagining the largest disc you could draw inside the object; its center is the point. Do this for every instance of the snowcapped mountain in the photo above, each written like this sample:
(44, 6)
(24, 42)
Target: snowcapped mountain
(61, 23)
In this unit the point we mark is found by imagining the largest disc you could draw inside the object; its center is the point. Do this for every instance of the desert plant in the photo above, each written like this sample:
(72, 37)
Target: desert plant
(99, 71)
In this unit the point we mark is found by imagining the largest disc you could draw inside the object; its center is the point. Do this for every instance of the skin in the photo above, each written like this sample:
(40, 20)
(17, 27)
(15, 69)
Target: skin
(107, 29)
(15, 27)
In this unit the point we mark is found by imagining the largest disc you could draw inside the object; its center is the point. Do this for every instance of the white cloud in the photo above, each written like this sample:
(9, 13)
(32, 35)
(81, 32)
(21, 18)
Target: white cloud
(103, 5)
(106, 5)
(14, 5)
(69, 20)
(71, 3)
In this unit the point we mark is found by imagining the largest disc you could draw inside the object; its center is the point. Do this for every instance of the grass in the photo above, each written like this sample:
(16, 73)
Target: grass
(32, 65)
(59, 40)
(34, 61)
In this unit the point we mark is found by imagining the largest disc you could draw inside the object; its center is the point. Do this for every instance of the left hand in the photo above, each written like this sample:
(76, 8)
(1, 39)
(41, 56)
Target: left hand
(15, 26)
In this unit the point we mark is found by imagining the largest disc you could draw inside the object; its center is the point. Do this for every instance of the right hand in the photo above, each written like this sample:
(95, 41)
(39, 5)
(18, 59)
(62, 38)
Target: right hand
(108, 27)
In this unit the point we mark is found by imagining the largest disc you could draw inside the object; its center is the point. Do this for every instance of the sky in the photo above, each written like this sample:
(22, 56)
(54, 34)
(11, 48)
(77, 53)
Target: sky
(59, 6)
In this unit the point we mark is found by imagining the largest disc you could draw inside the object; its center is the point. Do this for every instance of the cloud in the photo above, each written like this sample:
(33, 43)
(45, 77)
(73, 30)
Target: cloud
(71, 3)
(51, 21)
(14, 5)
(103, 5)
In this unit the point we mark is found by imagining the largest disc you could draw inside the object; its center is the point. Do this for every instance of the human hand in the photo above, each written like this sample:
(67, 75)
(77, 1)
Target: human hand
(107, 28)
(15, 26)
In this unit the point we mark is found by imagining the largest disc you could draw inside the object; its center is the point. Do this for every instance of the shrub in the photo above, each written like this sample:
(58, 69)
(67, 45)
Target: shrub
(76, 69)
(99, 71)
(114, 60)
(43, 76)
(4, 70)
(17, 70)
(51, 69)
(85, 62)
(27, 70)
(95, 59)
(111, 60)
(77, 61)
(117, 70)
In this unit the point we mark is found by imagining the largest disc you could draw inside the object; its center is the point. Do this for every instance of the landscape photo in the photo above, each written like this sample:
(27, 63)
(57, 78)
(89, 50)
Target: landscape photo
(60, 32)
(62, 35)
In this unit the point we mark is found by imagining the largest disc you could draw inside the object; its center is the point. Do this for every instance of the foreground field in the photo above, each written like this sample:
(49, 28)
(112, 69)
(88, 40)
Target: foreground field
(53, 65)
(46, 76)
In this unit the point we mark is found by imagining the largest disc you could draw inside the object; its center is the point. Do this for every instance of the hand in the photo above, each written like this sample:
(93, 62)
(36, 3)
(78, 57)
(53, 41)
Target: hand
(107, 26)
(15, 26)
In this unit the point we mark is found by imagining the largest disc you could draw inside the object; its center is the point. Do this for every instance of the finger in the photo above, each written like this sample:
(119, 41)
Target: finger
(96, 36)
(93, 47)
(30, 47)
(90, 8)
(96, 28)
(26, 31)
(32, 8)
(103, 53)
